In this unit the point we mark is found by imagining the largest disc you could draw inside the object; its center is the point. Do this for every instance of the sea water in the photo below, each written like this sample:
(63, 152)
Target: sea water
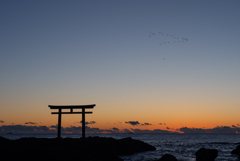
(182, 146)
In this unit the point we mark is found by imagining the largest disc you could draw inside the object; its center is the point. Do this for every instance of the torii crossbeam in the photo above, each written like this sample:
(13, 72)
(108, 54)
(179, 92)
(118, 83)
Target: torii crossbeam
(71, 107)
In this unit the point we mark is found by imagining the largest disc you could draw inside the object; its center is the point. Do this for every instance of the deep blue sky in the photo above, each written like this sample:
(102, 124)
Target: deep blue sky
(104, 52)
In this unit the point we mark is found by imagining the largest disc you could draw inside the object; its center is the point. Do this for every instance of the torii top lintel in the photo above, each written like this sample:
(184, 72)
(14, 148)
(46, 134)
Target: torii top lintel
(70, 106)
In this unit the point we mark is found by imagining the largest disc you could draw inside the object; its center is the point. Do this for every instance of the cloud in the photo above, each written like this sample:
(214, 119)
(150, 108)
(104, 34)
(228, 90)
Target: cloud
(136, 123)
(192, 130)
(161, 131)
(33, 129)
(88, 123)
(151, 131)
(146, 124)
(24, 129)
(217, 129)
(141, 131)
(30, 123)
(133, 123)
(54, 126)
(126, 131)
(1, 121)
(78, 129)
(115, 129)
(162, 123)
(118, 122)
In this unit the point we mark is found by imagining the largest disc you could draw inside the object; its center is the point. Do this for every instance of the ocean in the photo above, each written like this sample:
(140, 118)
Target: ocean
(182, 146)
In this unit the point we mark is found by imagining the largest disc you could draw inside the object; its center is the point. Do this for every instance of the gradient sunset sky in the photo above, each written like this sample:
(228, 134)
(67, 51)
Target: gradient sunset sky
(164, 64)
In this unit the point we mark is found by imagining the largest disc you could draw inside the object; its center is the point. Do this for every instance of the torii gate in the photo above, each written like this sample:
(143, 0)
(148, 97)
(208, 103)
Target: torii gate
(71, 107)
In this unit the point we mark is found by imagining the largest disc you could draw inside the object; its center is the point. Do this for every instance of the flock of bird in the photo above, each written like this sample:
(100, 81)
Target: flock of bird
(174, 39)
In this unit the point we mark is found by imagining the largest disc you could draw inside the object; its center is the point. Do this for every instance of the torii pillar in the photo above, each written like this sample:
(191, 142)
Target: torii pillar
(71, 107)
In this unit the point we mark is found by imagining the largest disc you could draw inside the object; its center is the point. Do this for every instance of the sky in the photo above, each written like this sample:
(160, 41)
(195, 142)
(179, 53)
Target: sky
(149, 66)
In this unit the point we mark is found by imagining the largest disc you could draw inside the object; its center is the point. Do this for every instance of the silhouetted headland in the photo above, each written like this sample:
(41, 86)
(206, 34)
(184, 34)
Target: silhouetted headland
(88, 149)
(236, 151)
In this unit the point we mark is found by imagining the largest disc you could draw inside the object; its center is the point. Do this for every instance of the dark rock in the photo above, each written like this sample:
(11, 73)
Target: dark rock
(236, 151)
(168, 157)
(88, 149)
(206, 154)
(129, 146)
(3, 140)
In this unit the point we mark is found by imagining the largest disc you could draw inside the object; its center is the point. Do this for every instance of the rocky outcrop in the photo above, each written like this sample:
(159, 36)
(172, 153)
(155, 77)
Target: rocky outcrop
(236, 151)
(168, 157)
(88, 149)
(206, 154)
(129, 146)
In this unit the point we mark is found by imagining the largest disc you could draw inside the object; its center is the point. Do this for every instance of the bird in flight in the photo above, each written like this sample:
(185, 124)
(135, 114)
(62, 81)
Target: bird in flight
(172, 37)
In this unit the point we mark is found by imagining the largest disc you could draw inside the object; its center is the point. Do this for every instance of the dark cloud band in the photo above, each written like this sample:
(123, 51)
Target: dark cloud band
(32, 123)
(218, 129)
(133, 123)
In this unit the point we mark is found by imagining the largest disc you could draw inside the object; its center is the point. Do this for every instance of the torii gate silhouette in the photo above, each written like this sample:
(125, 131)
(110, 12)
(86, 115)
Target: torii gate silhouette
(71, 107)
